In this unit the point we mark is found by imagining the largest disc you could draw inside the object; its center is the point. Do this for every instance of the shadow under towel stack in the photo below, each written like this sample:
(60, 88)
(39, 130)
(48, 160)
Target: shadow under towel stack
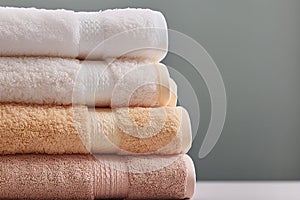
(86, 108)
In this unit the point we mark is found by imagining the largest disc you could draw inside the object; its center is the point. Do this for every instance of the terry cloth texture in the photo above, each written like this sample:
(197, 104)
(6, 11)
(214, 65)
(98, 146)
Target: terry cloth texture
(66, 129)
(77, 87)
(88, 177)
(135, 33)
(94, 83)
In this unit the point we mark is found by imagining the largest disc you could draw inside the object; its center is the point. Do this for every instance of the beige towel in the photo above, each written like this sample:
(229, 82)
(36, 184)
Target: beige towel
(88, 177)
(66, 129)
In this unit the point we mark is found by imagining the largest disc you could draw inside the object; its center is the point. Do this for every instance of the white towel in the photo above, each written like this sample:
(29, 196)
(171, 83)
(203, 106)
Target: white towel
(137, 33)
(45, 80)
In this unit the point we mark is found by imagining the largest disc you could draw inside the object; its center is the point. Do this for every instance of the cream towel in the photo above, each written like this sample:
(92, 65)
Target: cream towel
(88, 177)
(93, 35)
(95, 83)
(66, 129)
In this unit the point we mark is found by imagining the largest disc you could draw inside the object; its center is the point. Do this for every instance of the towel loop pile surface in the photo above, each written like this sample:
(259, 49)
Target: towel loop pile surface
(86, 108)
(140, 33)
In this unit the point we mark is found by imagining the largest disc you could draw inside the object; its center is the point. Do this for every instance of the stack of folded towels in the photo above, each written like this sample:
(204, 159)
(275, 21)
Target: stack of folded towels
(87, 110)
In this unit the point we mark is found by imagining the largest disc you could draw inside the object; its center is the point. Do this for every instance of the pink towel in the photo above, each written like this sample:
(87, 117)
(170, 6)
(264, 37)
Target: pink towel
(88, 177)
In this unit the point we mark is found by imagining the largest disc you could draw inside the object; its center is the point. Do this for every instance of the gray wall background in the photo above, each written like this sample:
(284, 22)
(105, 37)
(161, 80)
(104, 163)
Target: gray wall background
(256, 45)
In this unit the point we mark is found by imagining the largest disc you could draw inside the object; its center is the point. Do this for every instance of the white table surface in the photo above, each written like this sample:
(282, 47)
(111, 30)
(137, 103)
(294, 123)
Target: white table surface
(211, 190)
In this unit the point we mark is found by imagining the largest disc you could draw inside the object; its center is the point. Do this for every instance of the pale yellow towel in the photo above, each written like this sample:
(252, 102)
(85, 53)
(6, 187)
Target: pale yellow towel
(59, 81)
(66, 129)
